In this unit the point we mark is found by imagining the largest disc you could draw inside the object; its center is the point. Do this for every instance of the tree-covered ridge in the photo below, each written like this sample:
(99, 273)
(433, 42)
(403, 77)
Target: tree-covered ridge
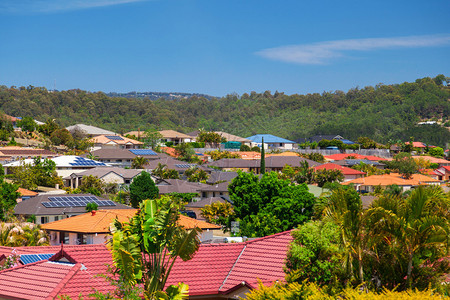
(383, 112)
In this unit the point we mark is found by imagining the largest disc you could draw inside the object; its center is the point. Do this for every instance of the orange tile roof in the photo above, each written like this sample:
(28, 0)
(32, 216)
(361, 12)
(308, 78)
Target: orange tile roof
(103, 139)
(248, 154)
(432, 159)
(393, 178)
(102, 219)
(287, 153)
(171, 151)
(25, 192)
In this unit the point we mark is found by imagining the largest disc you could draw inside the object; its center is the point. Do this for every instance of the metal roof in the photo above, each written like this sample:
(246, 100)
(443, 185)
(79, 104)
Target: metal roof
(268, 139)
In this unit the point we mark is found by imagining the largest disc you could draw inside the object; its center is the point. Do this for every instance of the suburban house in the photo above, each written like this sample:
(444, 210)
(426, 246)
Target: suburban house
(166, 136)
(443, 173)
(114, 142)
(14, 153)
(433, 160)
(88, 130)
(343, 156)
(328, 137)
(65, 165)
(56, 272)
(168, 186)
(273, 163)
(215, 190)
(123, 157)
(227, 136)
(349, 173)
(217, 271)
(112, 175)
(219, 176)
(173, 164)
(198, 205)
(271, 142)
(49, 207)
(94, 227)
(369, 183)
(229, 271)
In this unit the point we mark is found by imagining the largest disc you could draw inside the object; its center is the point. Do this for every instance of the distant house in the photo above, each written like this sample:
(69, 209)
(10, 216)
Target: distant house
(329, 137)
(168, 186)
(88, 130)
(167, 136)
(271, 142)
(228, 137)
(196, 206)
(349, 173)
(112, 175)
(48, 208)
(65, 165)
(123, 157)
(353, 162)
(433, 160)
(174, 164)
(369, 183)
(443, 173)
(114, 142)
(343, 156)
(215, 190)
(273, 163)
(13, 153)
(94, 227)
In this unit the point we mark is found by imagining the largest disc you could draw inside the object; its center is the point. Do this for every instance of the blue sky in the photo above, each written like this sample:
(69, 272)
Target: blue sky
(221, 47)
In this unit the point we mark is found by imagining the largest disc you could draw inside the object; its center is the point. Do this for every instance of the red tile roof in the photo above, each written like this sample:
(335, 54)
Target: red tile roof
(68, 279)
(219, 268)
(344, 170)
(341, 156)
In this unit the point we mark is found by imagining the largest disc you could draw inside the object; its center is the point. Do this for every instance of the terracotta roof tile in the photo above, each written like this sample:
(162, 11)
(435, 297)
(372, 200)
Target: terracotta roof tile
(393, 178)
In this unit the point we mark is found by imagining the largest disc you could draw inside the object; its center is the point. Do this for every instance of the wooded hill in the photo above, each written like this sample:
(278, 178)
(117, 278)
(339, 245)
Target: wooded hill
(383, 112)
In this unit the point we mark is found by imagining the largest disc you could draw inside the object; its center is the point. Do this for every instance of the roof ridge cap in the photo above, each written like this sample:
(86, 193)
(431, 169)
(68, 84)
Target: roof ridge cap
(231, 270)
(64, 281)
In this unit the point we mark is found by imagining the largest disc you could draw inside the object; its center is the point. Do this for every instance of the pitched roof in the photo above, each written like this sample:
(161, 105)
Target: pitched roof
(342, 156)
(172, 134)
(64, 161)
(34, 206)
(220, 187)
(392, 178)
(117, 139)
(431, 159)
(103, 171)
(22, 151)
(271, 162)
(344, 170)
(100, 221)
(180, 186)
(25, 192)
(47, 280)
(232, 138)
(89, 130)
(206, 201)
(268, 139)
(221, 267)
(216, 176)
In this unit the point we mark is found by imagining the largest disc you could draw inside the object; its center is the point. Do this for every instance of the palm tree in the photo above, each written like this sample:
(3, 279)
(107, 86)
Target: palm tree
(418, 222)
(146, 248)
(139, 162)
(344, 208)
(159, 171)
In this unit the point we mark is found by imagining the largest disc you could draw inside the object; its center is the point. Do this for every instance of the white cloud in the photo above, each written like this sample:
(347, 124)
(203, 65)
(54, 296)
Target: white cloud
(324, 52)
(49, 6)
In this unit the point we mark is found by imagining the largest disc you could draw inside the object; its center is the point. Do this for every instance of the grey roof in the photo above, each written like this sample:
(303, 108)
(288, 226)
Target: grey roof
(220, 187)
(33, 206)
(100, 172)
(216, 176)
(353, 162)
(180, 186)
(89, 130)
(271, 162)
(171, 163)
(207, 201)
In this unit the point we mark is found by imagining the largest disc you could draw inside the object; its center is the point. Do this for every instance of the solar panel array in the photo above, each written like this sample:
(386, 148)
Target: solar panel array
(76, 201)
(143, 152)
(185, 166)
(114, 137)
(81, 161)
(31, 258)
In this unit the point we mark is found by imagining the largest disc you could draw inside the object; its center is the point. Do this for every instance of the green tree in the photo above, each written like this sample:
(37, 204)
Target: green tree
(145, 249)
(143, 187)
(92, 206)
(404, 164)
(152, 137)
(323, 176)
(139, 162)
(27, 124)
(436, 152)
(195, 174)
(8, 199)
(185, 152)
(210, 138)
(217, 213)
(92, 185)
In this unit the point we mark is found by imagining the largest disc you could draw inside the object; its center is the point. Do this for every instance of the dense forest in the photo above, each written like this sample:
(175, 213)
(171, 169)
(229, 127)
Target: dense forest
(382, 112)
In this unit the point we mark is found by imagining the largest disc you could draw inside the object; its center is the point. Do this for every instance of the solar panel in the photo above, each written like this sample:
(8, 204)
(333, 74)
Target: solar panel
(114, 137)
(143, 152)
(81, 161)
(76, 201)
(31, 258)
(184, 166)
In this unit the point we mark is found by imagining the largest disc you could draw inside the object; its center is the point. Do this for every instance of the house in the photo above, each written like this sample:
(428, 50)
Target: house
(443, 173)
(353, 162)
(114, 142)
(215, 190)
(433, 160)
(329, 137)
(369, 183)
(123, 158)
(51, 272)
(14, 153)
(343, 156)
(53, 207)
(88, 130)
(196, 206)
(25, 194)
(219, 176)
(271, 142)
(273, 163)
(168, 186)
(349, 173)
(229, 271)
(94, 227)
(111, 175)
(173, 164)
(65, 165)
(166, 136)
(227, 136)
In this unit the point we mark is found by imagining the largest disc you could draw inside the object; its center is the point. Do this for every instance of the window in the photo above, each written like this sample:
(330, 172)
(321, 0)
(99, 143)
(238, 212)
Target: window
(81, 239)
(44, 220)
(56, 218)
(64, 237)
